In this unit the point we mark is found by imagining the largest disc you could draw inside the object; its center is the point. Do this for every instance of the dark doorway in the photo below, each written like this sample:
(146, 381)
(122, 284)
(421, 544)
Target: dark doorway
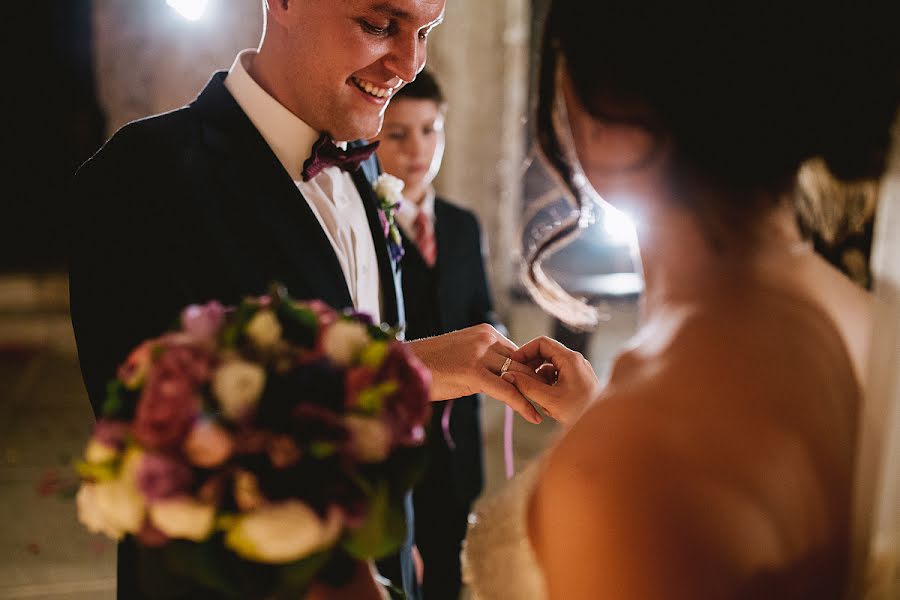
(54, 125)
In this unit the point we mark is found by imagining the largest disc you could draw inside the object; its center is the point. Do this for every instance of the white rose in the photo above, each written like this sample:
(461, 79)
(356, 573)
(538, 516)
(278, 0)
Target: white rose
(343, 341)
(264, 330)
(183, 518)
(238, 384)
(370, 438)
(90, 515)
(122, 505)
(389, 189)
(282, 533)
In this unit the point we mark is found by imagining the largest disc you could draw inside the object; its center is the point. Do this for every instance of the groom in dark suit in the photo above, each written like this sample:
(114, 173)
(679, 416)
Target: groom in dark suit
(217, 199)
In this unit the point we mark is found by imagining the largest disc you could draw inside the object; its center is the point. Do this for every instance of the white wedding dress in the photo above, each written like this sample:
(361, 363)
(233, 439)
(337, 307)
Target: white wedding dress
(497, 560)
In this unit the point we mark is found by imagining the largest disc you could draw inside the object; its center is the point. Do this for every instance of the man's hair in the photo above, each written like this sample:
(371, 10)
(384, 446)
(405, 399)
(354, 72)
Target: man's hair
(423, 87)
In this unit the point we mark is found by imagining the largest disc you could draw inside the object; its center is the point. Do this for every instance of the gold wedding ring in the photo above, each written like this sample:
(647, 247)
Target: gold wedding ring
(505, 366)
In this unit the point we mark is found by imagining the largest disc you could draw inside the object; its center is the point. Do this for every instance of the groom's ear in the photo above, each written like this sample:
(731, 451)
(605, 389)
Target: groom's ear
(284, 12)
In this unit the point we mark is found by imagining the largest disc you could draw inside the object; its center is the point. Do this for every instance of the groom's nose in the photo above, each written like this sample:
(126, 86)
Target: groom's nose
(407, 57)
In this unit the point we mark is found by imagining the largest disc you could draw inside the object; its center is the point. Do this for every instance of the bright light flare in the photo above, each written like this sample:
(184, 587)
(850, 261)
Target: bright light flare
(618, 226)
(192, 10)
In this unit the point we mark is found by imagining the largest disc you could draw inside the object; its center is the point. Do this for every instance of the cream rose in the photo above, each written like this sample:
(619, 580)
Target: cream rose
(91, 516)
(97, 452)
(370, 438)
(120, 507)
(389, 189)
(238, 384)
(183, 518)
(343, 341)
(264, 330)
(282, 533)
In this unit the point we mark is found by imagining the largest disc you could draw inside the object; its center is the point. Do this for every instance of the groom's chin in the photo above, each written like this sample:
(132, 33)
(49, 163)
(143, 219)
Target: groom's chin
(360, 126)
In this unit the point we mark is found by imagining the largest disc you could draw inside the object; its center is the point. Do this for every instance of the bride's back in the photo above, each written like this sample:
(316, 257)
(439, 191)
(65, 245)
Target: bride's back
(718, 460)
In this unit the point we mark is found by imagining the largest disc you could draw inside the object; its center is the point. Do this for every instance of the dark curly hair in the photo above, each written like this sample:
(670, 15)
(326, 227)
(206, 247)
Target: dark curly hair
(745, 92)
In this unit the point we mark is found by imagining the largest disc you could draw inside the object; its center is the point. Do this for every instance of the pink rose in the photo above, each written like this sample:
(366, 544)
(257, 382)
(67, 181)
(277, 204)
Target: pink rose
(151, 537)
(160, 477)
(185, 356)
(283, 451)
(203, 320)
(166, 410)
(111, 433)
(325, 314)
(133, 371)
(356, 380)
(208, 445)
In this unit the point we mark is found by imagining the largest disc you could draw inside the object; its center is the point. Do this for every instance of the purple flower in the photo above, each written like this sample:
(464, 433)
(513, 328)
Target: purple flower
(395, 250)
(160, 477)
(111, 433)
(385, 224)
(361, 317)
(203, 320)
(409, 408)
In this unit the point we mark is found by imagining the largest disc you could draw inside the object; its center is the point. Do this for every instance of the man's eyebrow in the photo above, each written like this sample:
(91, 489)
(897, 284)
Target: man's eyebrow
(390, 10)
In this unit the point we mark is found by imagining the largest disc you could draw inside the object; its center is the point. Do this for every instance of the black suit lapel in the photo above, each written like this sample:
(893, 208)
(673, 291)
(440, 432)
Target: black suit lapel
(445, 263)
(257, 180)
(388, 272)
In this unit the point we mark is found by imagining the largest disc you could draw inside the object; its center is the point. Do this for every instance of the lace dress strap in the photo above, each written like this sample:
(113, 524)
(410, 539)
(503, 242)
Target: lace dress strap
(498, 561)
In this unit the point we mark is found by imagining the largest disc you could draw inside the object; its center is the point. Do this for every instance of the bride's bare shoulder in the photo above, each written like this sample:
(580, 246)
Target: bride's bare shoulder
(686, 455)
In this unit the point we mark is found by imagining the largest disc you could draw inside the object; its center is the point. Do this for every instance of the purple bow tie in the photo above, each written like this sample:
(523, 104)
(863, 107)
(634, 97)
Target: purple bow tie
(325, 154)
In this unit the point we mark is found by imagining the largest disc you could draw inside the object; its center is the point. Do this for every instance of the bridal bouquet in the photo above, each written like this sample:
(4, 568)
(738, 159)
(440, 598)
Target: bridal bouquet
(254, 449)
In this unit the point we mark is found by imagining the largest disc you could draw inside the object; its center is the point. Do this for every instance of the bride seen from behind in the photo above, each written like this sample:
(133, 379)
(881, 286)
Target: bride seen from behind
(717, 461)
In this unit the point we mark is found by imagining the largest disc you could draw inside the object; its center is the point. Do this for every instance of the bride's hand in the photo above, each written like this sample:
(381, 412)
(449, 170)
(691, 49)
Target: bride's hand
(575, 383)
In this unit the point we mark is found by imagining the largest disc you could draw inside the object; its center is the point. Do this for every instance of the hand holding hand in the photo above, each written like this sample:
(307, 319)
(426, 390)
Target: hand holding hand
(575, 384)
(469, 361)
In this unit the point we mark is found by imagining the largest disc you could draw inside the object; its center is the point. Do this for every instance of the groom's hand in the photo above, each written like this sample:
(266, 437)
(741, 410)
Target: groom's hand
(469, 361)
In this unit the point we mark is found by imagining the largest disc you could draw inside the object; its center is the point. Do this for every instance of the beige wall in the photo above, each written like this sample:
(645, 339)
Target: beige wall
(150, 60)
(480, 54)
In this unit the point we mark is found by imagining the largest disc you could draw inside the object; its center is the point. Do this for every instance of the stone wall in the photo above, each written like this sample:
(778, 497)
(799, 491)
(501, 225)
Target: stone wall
(480, 55)
(150, 60)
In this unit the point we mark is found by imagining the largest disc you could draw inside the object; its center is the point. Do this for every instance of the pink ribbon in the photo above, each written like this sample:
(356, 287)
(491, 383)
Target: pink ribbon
(445, 425)
(508, 442)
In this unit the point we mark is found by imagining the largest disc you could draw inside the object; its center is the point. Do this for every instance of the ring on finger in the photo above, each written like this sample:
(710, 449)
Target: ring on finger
(505, 366)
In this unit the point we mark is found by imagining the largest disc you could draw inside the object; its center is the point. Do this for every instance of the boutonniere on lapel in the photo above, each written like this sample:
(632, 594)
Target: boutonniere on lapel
(389, 191)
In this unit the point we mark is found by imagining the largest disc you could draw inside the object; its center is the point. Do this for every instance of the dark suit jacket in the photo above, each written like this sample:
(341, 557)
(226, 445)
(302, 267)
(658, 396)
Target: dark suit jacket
(452, 296)
(186, 207)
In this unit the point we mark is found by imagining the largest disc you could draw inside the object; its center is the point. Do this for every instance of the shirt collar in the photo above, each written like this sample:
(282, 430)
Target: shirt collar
(408, 211)
(290, 138)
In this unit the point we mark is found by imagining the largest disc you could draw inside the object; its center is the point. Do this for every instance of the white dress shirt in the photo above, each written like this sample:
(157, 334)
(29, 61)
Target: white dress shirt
(331, 195)
(408, 211)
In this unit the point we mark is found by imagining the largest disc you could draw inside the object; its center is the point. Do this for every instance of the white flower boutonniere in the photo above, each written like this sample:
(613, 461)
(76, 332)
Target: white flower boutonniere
(389, 190)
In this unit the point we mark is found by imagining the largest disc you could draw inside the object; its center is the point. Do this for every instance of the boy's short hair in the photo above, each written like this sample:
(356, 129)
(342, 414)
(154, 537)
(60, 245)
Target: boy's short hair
(423, 87)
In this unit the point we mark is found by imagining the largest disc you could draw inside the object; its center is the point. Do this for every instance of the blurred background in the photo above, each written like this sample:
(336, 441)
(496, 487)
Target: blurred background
(81, 69)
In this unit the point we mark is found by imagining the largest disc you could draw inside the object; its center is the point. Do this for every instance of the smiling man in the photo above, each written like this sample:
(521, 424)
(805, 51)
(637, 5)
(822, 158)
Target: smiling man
(225, 195)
